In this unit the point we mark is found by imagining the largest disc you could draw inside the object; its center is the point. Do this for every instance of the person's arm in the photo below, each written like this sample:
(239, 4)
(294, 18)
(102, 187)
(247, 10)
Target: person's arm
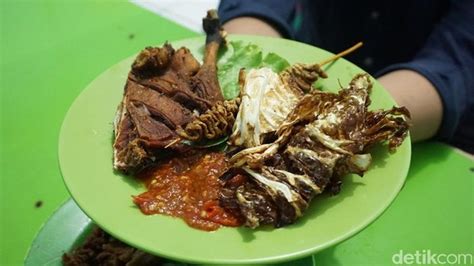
(437, 86)
(251, 26)
(415, 92)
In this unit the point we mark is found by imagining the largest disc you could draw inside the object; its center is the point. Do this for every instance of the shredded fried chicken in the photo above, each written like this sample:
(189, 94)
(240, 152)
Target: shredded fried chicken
(325, 136)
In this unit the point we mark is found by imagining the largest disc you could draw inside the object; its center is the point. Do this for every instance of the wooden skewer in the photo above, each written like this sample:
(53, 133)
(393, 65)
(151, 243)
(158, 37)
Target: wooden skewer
(341, 54)
(176, 140)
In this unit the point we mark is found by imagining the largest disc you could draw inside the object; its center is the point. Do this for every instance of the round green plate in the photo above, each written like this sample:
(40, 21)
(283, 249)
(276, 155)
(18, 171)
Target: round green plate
(85, 156)
(66, 228)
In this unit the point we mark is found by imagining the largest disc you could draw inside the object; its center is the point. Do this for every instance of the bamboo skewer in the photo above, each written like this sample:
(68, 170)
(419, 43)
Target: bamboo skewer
(341, 54)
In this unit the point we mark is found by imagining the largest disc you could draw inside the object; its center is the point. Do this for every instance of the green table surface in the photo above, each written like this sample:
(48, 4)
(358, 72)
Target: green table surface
(50, 50)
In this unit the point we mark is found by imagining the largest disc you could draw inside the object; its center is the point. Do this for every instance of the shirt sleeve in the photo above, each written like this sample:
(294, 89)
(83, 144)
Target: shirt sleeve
(278, 13)
(447, 61)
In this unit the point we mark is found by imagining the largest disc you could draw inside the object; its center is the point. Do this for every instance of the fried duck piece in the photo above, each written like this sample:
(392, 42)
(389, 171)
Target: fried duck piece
(143, 125)
(205, 83)
(169, 72)
(325, 137)
(164, 89)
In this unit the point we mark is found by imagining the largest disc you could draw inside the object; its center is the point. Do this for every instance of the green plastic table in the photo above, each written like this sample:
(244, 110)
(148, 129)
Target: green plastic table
(50, 50)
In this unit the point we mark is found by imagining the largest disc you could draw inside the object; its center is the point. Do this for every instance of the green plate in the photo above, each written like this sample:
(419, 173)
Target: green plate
(68, 227)
(85, 156)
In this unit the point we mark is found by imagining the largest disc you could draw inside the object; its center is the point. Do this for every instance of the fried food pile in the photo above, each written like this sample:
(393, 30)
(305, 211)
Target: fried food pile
(287, 142)
(100, 248)
(164, 91)
(324, 137)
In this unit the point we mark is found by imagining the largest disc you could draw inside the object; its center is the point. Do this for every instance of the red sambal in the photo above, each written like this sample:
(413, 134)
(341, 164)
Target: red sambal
(187, 187)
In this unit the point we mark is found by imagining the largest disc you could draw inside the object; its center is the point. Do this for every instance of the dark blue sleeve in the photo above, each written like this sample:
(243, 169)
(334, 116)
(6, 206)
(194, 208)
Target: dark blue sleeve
(278, 13)
(447, 61)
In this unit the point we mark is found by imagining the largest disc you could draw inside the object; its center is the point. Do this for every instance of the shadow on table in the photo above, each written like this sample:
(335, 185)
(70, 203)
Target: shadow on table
(425, 154)
(327, 257)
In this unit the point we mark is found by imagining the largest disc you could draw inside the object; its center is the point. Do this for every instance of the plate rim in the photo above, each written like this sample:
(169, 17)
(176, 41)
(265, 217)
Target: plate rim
(66, 206)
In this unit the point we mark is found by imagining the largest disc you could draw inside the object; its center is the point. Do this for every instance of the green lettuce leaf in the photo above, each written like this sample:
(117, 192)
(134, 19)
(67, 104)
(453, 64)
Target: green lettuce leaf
(275, 62)
(245, 56)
